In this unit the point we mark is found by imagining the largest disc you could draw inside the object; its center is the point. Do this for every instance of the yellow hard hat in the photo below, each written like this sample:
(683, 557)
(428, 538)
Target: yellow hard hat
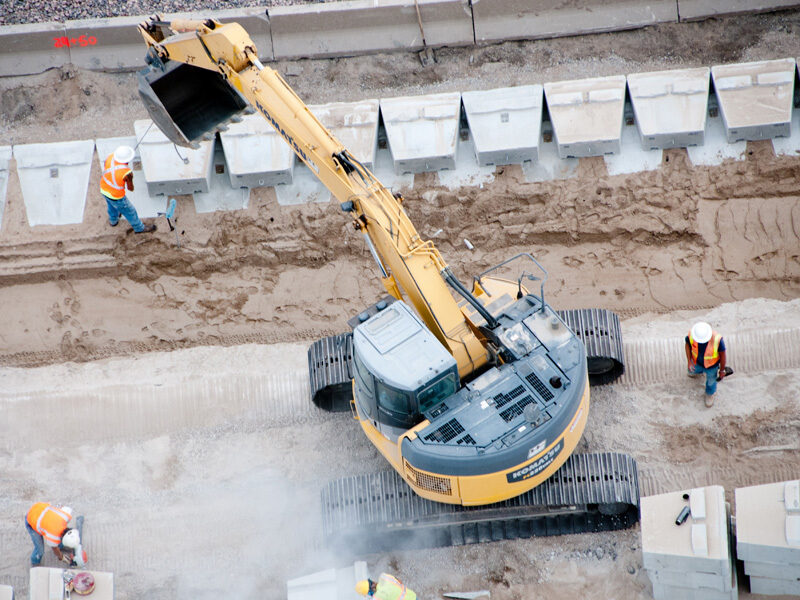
(362, 587)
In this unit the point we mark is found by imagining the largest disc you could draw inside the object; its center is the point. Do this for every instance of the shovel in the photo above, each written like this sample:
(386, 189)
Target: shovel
(170, 214)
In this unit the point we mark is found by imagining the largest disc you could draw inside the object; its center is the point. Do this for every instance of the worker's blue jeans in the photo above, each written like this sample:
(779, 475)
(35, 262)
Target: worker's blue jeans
(711, 377)
(38, 545)
(124, 208)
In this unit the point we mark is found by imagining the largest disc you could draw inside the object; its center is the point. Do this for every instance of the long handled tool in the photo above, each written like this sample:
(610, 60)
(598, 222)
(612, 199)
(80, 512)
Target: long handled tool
(170, 214)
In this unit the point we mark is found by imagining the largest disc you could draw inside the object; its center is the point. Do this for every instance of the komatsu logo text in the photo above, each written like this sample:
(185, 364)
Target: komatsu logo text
(289, 139)
(536, 466)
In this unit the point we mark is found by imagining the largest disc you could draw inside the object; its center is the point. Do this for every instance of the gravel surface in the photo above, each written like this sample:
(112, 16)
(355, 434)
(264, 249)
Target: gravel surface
(40, 11)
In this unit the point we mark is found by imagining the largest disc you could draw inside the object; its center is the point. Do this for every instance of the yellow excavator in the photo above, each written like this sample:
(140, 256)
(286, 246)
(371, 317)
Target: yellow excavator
(477, 396)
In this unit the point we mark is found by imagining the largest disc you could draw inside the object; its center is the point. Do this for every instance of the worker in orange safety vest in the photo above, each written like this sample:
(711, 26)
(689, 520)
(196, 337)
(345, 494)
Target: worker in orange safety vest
(117, 175)
(58, 529)
(387, 587)
(705, 353)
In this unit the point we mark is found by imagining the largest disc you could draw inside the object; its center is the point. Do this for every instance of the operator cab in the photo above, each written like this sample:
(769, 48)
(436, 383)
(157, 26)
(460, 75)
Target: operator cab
(400, 369)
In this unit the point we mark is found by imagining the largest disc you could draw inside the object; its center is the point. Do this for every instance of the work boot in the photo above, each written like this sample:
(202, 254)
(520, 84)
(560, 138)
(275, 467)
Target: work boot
(709, 400)
(147, 229)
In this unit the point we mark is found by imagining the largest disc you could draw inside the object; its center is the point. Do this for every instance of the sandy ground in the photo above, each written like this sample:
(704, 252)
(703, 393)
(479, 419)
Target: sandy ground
(199, 470)
(206, 462)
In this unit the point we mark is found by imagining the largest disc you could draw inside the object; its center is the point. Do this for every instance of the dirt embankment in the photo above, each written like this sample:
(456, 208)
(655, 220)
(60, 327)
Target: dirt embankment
(678, 237)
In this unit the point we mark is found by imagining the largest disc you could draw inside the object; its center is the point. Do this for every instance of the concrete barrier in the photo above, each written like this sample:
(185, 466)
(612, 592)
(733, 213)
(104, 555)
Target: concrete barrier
(693, 10)
(33, 48)
(361, 26)
(497, 20)
(116, 44)
(106, 44)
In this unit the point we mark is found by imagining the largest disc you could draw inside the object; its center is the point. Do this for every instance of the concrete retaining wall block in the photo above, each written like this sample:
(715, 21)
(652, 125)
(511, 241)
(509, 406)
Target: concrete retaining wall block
(360, 26)
(33, 48)
(497, 20)
(693, 10)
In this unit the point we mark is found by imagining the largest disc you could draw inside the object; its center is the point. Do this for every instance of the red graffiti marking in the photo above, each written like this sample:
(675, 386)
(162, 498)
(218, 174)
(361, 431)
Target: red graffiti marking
(83, 40)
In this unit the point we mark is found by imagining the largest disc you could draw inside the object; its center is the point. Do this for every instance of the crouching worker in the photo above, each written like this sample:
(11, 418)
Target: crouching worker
(57, 528)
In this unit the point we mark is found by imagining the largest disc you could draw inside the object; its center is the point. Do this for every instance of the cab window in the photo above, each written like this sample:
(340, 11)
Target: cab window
(436, 392)
(390, 399)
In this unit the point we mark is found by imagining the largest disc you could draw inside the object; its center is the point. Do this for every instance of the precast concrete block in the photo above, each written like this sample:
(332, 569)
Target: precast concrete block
(48, 584)
(774, 587)
(54, 179)
(354, 124)
(587, 115)
(499, 20)
(32, 48)
(772, 570)
(764, 526)
(675, 592)
(112, 44)
(361, 26)
(255, 154)
(5, 157)
(693, 10)
(254, 20)
(171, 170)
(422, 131)
(330, 583)
(670, 547)
(505, 124)
(6, 592)
(755, 99)
(670, 107)
(692, 579)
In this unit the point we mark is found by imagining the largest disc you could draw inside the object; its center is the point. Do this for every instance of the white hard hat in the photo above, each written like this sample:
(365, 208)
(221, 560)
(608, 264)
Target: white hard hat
(124, 154)
(701, 332)
(71, 539)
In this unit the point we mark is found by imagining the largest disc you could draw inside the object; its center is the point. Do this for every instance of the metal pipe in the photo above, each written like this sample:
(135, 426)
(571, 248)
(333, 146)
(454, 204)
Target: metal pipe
(374, 253)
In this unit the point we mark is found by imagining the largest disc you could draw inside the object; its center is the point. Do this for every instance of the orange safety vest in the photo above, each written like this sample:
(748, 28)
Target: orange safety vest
(48, 521)
(112, 184)
(711, 355)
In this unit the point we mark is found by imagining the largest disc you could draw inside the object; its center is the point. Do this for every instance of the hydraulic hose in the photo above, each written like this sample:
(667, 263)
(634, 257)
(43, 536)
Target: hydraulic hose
(467, 295)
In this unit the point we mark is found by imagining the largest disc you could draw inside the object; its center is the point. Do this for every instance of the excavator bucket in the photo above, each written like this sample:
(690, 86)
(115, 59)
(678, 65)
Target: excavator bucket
(188, 103)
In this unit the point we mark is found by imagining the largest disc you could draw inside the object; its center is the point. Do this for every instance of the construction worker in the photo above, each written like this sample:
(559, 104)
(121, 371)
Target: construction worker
(117, 175)
(58, 529)
(386, 588)
(705, 353)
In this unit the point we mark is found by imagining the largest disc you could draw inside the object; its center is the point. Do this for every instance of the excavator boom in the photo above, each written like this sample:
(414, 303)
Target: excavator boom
(475, 397)
(203, 74)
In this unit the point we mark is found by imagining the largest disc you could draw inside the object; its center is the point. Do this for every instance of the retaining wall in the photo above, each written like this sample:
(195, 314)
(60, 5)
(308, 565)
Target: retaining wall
(357, 27)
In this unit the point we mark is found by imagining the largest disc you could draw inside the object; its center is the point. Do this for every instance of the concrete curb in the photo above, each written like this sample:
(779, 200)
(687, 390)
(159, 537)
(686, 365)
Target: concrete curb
(362, 26)
(355, 27)
(694, 10)
(498, 20)
(106, 44)
(33, 48)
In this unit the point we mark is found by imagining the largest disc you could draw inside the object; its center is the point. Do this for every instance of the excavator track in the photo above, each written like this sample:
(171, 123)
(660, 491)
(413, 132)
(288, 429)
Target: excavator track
(379, 511)
(600, 332)
(330, 372)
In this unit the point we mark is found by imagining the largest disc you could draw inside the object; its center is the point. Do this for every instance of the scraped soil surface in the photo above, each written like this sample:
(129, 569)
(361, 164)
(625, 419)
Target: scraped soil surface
(681, 240)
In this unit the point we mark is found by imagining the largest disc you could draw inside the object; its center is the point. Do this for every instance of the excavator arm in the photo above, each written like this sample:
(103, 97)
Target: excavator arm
(187, 95)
